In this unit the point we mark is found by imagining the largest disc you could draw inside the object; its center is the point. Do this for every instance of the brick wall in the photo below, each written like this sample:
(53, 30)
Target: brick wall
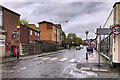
(33, 37)
(24, 34)
(10, 21)
(45, 33)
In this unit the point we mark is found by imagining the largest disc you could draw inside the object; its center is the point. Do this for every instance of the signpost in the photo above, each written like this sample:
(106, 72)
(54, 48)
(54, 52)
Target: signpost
(18, 27)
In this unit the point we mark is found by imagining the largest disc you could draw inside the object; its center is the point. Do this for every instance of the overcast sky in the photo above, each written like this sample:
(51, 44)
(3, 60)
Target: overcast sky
(81, 16)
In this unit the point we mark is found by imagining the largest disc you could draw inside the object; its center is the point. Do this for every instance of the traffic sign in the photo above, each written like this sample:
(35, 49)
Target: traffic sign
(15, 32)
(116, 30)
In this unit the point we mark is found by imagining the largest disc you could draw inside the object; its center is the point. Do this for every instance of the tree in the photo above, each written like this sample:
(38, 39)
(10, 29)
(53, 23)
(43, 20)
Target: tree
(63, 35)
(63, 38)
(72, 39)
(24, 22)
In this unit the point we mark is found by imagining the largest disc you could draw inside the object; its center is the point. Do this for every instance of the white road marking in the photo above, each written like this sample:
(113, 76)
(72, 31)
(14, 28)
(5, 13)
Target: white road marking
(63, 59)
(99, 69)
(36, 58)
(23, 68)
(72, 60)
(54, 58)
(41, 57)
(45, 58)
(65, 69)
(85, 68)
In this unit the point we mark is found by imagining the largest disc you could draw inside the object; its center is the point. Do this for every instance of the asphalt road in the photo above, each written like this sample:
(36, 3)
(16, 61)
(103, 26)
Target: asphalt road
(59, 65)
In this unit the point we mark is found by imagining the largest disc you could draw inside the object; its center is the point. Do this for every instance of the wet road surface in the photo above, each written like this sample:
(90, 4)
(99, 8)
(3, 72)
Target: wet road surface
(52, 66)
(61, 65)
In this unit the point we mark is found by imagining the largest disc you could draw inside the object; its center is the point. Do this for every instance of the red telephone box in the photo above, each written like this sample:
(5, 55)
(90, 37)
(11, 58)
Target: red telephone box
(14, 50)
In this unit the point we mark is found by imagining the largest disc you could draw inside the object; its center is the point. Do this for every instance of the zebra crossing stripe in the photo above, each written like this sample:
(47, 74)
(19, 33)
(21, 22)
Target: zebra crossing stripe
(72, 60)
(63, 59)
(54, 59)
(36, 58)
(45, 58)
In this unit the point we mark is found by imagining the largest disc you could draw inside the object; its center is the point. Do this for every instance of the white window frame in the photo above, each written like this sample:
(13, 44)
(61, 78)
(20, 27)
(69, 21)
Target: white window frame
(35, 33)
(1, 18)
(38, 34)
(31, 32)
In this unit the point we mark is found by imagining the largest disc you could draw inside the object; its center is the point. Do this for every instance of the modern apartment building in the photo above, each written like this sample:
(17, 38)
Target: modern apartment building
(49, 31)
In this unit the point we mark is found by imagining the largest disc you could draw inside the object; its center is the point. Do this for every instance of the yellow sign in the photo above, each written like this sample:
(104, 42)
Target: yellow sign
(18, 27)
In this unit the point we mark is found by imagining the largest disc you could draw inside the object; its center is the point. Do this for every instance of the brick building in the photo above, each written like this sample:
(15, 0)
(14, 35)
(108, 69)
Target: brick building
(28, 35)
(49, 31)
(9, 20)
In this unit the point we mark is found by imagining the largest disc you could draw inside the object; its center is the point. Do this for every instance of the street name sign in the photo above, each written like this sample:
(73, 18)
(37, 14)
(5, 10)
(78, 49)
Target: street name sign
(103, 31)
(116, 30)
(15, 32)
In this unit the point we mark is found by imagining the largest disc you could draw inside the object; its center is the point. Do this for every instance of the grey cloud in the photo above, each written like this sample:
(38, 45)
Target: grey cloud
(81, 16)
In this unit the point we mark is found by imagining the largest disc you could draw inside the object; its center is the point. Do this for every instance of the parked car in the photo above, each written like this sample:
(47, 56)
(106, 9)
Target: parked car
(78, 48)
(81, 46)
(89, 49)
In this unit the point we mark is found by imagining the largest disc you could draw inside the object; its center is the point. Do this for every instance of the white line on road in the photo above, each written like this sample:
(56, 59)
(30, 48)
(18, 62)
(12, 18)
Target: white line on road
(63, 59)
(72, 60)
(23, 68)
(36, 58)
(54, 58)
(65, 69)
(45, 58)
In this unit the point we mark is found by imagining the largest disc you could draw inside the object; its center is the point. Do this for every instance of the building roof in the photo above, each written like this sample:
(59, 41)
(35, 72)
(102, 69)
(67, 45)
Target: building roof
(115, 4)
(9, 10)
(46, 22)
(58, 25)
(30, 28)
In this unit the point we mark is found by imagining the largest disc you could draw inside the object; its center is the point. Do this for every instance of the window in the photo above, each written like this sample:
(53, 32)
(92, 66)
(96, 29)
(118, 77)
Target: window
(2, 42)
(30, 32)
(0, 18)
(35, 33)
(54, 28)
(38, 35)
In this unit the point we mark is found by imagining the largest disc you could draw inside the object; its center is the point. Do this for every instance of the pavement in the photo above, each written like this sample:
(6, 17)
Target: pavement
(91, 65)
(92, 62)
(10, 59)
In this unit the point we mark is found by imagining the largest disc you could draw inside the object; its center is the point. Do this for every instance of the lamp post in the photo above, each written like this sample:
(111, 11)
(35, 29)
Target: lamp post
(18, 27)
(86, 32)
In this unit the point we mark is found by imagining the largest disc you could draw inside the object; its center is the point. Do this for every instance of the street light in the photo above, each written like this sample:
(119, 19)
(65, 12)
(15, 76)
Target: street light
(86, 32)
(18, 27)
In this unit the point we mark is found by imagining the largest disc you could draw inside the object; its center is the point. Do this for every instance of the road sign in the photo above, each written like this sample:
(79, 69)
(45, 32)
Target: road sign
(116, 30)
(103, 31)
(15, 32)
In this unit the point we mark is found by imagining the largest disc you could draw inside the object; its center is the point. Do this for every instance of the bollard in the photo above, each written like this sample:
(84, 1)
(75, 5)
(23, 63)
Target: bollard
(86, 55)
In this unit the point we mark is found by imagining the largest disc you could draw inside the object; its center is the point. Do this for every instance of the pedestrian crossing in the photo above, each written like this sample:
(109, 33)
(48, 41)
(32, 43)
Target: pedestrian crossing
(53, 59)
(56, 59)
(63, 59)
